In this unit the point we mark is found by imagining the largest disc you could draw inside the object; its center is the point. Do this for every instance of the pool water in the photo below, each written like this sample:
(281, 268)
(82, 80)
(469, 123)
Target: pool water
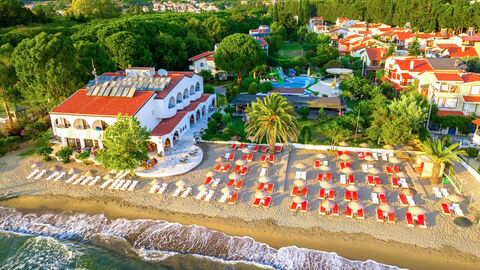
(295, 82)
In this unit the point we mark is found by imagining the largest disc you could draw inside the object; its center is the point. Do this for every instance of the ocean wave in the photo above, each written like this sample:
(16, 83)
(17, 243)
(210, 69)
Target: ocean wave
(158, 240)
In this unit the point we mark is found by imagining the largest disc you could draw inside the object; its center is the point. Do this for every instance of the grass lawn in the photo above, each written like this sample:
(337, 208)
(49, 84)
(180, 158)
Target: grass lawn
(292, 49)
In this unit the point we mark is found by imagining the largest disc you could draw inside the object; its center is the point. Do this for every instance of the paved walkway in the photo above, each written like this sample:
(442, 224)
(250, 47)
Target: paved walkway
(325, 88)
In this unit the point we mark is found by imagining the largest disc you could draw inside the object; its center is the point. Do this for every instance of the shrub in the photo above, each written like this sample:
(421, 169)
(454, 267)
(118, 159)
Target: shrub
(207, 136)
(206, 74)
(471, 152)
(44, 152)
(217, 116)
(265, 87)
(208, 89)
(252, 88)
(226, 118)
(212, 127)
(64, 154)
(247, 81)
(229, 109)
(8, 144)
(306, 133)
(304, 111)
(83, 155)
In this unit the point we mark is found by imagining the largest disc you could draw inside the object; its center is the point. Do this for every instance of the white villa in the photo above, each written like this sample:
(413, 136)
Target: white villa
(167, 103)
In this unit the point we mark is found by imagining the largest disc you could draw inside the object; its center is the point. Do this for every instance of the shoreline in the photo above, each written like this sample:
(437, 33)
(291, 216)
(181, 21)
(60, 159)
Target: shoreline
(353, 246)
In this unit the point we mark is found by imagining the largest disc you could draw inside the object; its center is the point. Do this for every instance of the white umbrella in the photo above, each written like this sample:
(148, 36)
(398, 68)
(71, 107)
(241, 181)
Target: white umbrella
(233, 176)
(299, 183)
(203, 187)
(328, 204)
(388, 146)
(36, 165)
(324, 168)
(365, 145)
(156, 182)
(246, 150)
(394, 160)
(321, 155)
(345, 157)
(210, 173)
(455, 198)
(369, 158)
(261, 194)
(73, 171)
(219, 159)
(181, 183)
(380, 189)
(55, 168)
(108, 176)
(266, 164)
(326, 184)
(417, 210)
(352, 188)
(347, 170)
(227, 189)
(355, 205)
(343, 144)
(373, 170)
(299, 199)
(300, 166)
(240, 162)
(408, 191)
(387, 208)
(264, 179)
(89, 173)
(401, 174)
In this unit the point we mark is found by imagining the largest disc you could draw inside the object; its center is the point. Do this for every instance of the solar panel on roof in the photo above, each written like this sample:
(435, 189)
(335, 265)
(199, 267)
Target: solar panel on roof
(102, 90)
(119, 92)
(124, 92)
(90, 90)
(131, 92)
(115, 90)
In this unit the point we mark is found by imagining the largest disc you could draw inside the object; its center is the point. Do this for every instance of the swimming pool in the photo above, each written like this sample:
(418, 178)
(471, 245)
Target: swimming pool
(295, 82)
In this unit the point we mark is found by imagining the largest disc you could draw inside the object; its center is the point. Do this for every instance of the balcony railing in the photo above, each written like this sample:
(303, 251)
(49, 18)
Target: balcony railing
(64, 132)
(83, 133)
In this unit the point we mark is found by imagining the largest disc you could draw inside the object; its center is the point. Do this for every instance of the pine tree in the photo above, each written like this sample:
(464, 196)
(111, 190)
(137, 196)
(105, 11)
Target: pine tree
(414, 47)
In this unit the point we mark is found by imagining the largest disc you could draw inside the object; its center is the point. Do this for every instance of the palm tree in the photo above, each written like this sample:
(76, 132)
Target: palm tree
(440, 154)
(271, 118)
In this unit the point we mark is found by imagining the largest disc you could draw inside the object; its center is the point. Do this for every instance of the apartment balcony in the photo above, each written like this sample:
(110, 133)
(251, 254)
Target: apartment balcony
(97, 134)
(84, 133)
(442, 88)
(64, 131)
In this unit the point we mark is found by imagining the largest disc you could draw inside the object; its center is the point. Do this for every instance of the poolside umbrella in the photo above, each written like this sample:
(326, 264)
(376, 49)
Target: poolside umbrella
(300, 166)
(266, 164)
(260, 194)
(181, 183)
(352, 188)
(55, 168)
(155, 181)
(89, 173)
(73, 171)
(388, 146)
(203, 187)
(417, 210)
(380, 190)
(219, 159)
(36, 165)
(408, 191)
(234, 176)
(240, 162)
(394, 160)
(326, 184)
(355, 205)
(227, 189)
(299, 183)
(345, 157)
(373, 170)
(368, 158)
(264, 179)
(247, 150)
(455, 198)
(401, 174)
(387, 208)
(298, 199)
(109, 176)
(210, 173)
(343, 144)
(321, 155)
(347, 170)
(327, 204)
(365, 145)
(324, 168)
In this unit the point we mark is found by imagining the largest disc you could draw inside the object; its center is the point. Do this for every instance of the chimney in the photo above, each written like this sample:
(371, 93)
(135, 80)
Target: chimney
(456, 62)
(412, 64)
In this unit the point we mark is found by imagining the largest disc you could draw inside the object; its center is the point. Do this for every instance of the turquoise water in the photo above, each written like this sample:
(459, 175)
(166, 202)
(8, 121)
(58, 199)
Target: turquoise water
(295, 82)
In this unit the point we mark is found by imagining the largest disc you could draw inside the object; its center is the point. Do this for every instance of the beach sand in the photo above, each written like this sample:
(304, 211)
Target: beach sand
(442, 245)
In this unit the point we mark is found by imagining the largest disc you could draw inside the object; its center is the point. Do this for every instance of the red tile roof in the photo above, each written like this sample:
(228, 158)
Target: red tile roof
(175, 77)
(406, 76)
(376, 53)
(470, 77)
(288, 90)
(168, 125)
(473, 99)
(420, 64)
(81, 104)
(462, 52)
(446, 45)
(448, 77)
(200, 56)
(445, 113)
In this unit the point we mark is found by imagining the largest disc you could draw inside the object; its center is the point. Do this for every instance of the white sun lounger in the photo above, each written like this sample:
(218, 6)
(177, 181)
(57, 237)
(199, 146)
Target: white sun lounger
(200, 195)
(177, 191)
(41, 174)
(94, 181)
(444, 192)
(154, 189)
(84, 182)
(61, 175)
(263, 172)
(224, 198)
(457, 209)
(374, 198)
(133, 186)
(120, 184)
(304, 176)
(216, 182)
(298, 175)
(118, 174)
(384, 157)
(114, 184)
(33, 173)
(106, 183)
(51, 176)
(343, 179)
(127, 184)
(375, 156)
(71, 178)
(410, 200)
(123, 174)
(403, 183)
(325, 162)
(364, 168)
(209, 195)
(437, 192)
(79, 179)
(186, 192)
(162, 188)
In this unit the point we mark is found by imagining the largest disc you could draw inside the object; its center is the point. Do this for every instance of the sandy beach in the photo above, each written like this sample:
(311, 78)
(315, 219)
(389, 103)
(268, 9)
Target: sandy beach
(442, 245)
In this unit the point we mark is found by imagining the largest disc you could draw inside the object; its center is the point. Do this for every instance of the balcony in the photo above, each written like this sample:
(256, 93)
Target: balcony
(476, 139)
(83, 133)
(445, 88)
(97, 134)
(64, 131)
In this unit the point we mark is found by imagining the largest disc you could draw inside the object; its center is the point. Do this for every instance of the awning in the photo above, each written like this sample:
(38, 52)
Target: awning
(471, 99)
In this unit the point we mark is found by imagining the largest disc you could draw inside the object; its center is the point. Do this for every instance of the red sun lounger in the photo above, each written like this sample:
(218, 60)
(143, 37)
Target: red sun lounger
(234, 146)
(391, 217)
(304, 191)
(241, 146)
(395, 169)
(257, 202)
(370, 180)
(388, 169)
(264, 158)
(395, 182)
(293, 207)
(226, 168)
(244, 170)
(231, 182)
(237, 168)
(445, 209)
(361, 155)
(331, 195)
(267, 201)
(354, 196)
(231, 157)
(347, 152)
(255, 149)
(342, 166)
(321, 195)
(335, 210)
(360, 214)
(239, 184)
(271, 159)
(379, 215)
(304, 207)
(349, 212)
(421, 221)
(351, 179)
(233, 200)
(383, 200)
(403, 199)
(316, 164)
(339, 153)
(377, 181)
(329, 176)
(264, 148)
(348, 195)
(218, 167)
(278, 149)
(270, 188)
(409, 218)
(323, 211)
(294, 191)
(245, 157)
(250, 157)
(261, 187)
(320, 177)
(208, 181)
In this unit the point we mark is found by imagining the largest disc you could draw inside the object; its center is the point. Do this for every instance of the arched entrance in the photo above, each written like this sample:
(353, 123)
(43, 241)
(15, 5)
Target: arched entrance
(203, 110)
(167, 145)
(198, 115)
(192, 119)
(176, 136)
(152, 147)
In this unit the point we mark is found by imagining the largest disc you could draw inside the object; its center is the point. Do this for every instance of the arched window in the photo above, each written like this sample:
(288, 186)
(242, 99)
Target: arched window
(62, 123)
(171, 103)
(185, 93)
(197, 87)
(100, 125)
(179, 98)
(81, 124)
(201, 64)
(192, 90)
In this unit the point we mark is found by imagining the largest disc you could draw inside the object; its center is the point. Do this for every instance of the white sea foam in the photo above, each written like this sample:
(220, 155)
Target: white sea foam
(157, 240)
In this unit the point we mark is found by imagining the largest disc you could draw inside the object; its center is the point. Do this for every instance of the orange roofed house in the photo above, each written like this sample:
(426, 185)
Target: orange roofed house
(166, 103)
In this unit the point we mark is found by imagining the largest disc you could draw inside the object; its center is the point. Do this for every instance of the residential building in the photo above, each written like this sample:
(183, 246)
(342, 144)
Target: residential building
(259, 34)
(166, 103)
(205, 61)
(374, 58)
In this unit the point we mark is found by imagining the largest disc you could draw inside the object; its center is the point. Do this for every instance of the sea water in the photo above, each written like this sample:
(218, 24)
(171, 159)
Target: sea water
(82, 241)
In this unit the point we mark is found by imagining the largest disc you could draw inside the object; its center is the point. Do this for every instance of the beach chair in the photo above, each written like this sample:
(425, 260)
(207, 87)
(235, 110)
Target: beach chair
(437, 192)
(117, 174)
(348, 195)
(234, 146)
(394, 182)
(226, 168)
(339, 153)
(403, 183)
(351, 179)
(231, 182)
(125, 185)
(304, 191)
(278, 149)
(224, 198)
(395, 169)
(250, 157)
(241, 146)
(41, 174)
(377, 181)
(380, 215)
(264, 148)
(53, 175)
(369, 179)
(271, 159)
(132, 185)
(79, 179)
(304, 176)
(270, 188)
(347, 152)
(343, 179)
(410, 200)
(304, 207)
(335, 210)
(329, 176)
(233, 199)
(374, 197)
(237, 168)
(320, 177)
(361, 155)
(409, 218)
(354, 196)
(384, 157)
(348, 165)
(124, 174)
(94, 181)
(239, 184)
(208, 181)
(388, 169)
(257, 202)
(186, 192)
(263, 172)
(200, 195)
(244, 170)
(60, 176)
(444, 192)
(162, 188)
(322, 210)
(383, 199)
(421, 221)
(245, 157)
(32, 174)
(349, 212)
(209, 195)
(255, 148)
(86, 180)
(294, 206)
(263, 158)
(331, 195)
(177, 191)
(321, 195)
(298, 175)
(375, 156)
(403, 199)
(154, 189)
(457, 209)
(342, 166)
(71, 178)
(120, 184)
(316, 164)
(231, 157)
(106, 183)
(261, 187)
(446, 209)
(365, 168)
(325, 162)
(216, 182)
(360, 214)
(218, 167)
(391, 218)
